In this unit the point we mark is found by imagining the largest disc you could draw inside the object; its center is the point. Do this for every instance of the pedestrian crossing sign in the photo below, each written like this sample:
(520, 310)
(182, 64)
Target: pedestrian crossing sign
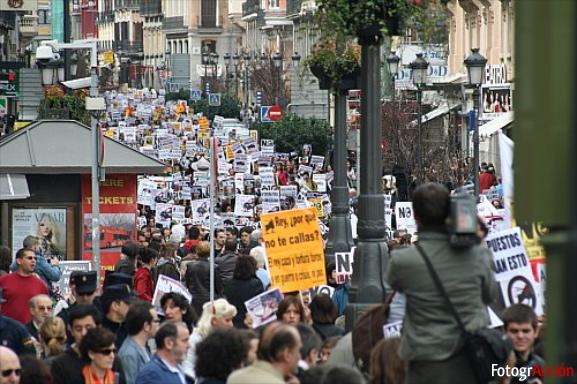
(214, 100)
(195, 94)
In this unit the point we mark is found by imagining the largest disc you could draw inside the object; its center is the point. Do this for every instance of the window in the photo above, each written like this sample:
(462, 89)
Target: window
(208, 13)
(273, 3)
(43, 16)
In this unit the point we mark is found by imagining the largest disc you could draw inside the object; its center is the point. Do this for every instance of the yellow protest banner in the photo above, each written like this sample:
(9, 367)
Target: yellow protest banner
(108, 57)
(318, 204)
(294, 247)
(203, 123)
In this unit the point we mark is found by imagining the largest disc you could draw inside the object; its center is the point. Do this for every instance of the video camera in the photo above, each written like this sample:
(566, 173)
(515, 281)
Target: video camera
(463, 221)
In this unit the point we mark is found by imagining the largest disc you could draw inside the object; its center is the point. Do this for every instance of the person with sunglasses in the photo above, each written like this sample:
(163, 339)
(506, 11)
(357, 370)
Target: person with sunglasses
(10, 369)
(98, 350)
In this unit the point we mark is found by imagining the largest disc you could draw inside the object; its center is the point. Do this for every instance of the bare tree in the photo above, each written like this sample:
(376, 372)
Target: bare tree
(271, 81)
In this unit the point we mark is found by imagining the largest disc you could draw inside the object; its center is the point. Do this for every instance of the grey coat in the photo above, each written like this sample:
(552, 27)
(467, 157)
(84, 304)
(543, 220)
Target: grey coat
(133, 358)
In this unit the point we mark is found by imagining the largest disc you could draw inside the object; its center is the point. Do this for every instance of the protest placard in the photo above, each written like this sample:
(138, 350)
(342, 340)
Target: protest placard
(263, 308)
(513, 272)
(326, 289)
(294, 248)
(393, 329)
(163, 214)
(405, 216)
(166, 285)
(200, 209)
(270, 201)
(344, 266)
(320, 180)
(317, 162)
(244, 205)
(67, 267)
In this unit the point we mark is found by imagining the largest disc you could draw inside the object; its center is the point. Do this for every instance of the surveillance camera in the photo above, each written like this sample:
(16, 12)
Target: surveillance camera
(44, 54)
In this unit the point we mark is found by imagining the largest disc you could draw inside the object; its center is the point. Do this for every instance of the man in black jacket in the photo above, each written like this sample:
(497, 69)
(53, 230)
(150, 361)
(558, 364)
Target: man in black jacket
(227, 261)
(197, 278)
(67, 367)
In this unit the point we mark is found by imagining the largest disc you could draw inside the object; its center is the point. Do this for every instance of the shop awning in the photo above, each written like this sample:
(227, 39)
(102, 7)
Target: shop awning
(497, 123)
(13, 187)
(437, 112)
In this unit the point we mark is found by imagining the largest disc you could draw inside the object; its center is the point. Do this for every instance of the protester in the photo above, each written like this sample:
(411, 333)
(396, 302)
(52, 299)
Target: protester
(141, 325)
(341, 294)
(251, 338)
(244, 242)
(98, 350)
(143, 281)
(34, 371)
(311, 345)
(47, 268)
(13, 334)
(177, 308)
(164, 367)
(291, 311)
(197, 278)
(243, 286)
(10, 367)
(227, 261)
(327, 348)
(219, 354)
(128, 256)
(219, 239)
(20, 286)
(217, 315)
(52, 337)
(521, 325)
(431, 337)
(258, 254)
(278, 357)
(40, 308)
(83, 290)
(167, 264)
(324, 314)
(386, 366)
(5, 260)
(116, 300)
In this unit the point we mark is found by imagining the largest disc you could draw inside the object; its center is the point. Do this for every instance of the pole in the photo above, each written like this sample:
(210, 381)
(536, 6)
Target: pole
(476, 161)
(95, 171)
(340, 235)
(212, 179)
(66, 27)
(367, 285)
(419, 154)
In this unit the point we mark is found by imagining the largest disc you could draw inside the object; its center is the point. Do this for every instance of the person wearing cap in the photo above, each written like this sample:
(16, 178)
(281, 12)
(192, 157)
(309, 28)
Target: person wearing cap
(83, 290)
(115, 278)
(14, 335)
(127, 262)
(115, 301)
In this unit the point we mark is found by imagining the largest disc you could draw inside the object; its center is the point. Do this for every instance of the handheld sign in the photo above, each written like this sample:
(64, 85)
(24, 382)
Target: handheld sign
(294, 247)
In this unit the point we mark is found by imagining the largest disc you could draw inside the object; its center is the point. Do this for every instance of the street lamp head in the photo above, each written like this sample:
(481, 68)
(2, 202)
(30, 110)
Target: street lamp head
(277, 59)
(419, 68)
(226, 58)
(236, 59)
(475, 64)
(393, 63)
(73, 64)
(296, 59)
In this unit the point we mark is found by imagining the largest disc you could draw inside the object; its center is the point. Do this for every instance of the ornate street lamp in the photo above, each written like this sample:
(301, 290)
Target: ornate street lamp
(419, 68)
(475, 64)
(296, 59)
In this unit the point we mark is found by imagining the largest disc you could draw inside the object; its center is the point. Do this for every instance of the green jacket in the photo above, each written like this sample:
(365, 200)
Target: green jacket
(430, 332)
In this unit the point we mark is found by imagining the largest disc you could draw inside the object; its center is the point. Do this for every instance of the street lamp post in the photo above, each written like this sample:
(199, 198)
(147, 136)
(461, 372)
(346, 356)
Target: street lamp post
(214, 64)
(419, 68)
(393, 64)
(246, 78)
(227, 59)
(236, 60)
(277, 60)
(475, 64)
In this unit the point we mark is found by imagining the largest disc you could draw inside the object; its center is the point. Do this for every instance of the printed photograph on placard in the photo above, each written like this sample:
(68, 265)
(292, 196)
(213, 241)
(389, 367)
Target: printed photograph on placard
(263, 307)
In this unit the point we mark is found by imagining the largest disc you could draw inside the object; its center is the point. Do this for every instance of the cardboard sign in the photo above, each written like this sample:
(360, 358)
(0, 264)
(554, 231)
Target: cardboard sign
(294, 247)
(165, 285)
(513, 272)
(405, 216)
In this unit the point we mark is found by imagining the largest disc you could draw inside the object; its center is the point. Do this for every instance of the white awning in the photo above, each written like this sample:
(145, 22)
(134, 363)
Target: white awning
(437, 112)
(497, 123)
(13, 187)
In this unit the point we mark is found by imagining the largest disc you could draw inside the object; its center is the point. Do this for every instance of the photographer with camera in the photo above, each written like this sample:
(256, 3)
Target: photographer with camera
(433, 340)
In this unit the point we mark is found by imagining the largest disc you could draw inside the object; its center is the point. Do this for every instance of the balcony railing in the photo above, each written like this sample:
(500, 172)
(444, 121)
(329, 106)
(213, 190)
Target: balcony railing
(171, 23)
(129, 47)
(29, 25)
(105, 17)
(134, 4)
(293, 7)
(250, 6)
(209, 22)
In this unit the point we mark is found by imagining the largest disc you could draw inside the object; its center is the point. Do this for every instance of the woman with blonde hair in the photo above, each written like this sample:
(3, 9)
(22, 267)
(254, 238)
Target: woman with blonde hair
(48, 236)
(215, 315)
(52, 336)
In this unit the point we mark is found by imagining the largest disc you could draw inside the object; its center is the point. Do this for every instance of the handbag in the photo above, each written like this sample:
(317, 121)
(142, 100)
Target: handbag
(484, 347)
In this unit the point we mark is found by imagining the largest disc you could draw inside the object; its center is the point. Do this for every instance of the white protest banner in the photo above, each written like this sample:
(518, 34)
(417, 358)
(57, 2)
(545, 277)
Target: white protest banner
(200, 209)
(266, 177)
(405, 217)
(320, 180)
(244, 205)
(326, 289)
(270, 201)
(513, 272)
(178, 212)
(163, 214)
(305, 169)
(263, 308)
(388, 212)
(317, 162)
(166, 285)
(67, 267)
(393, 329)
(344, 265)
(239, 181)
(289, 190)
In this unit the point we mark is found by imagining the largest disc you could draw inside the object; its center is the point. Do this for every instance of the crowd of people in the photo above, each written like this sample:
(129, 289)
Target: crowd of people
(117, 335)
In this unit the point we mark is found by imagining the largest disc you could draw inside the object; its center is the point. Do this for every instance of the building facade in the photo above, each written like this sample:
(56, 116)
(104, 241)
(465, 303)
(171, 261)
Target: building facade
(153, 44)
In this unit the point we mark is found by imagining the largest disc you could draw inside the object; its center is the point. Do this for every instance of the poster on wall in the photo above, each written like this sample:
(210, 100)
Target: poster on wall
(117, 217)
(48, 224)
(496, 99)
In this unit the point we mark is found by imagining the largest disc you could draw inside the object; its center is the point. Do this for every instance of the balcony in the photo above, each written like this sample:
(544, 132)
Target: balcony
(173, 23)
(209, 24)
(150, 8)
(128, 4)
(29, 25)
(131, 49)
(250, 7)
(105, 17)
